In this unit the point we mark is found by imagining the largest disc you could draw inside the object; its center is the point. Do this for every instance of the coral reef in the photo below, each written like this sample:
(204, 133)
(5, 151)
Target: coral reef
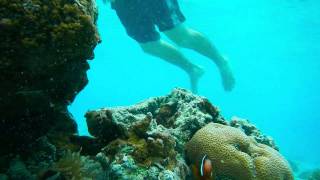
(18, 170)
(74, 166)
(235, 155)
(44, 47)
(148, 140)
(71, 165)
(49, 159)
(310, 175)
(44, 50)
(252, 131)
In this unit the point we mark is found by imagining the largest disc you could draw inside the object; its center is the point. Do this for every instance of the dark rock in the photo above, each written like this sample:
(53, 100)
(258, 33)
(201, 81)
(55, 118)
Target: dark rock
(51, 175)
(4, 163)
(44, 50)
(42, 152)
(166, 114)
(102, 126)
(19, 171)
(89, 145)
(3, 177)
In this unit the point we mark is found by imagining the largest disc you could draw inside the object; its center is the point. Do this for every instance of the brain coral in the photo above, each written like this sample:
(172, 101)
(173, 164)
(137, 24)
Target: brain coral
(234, 155)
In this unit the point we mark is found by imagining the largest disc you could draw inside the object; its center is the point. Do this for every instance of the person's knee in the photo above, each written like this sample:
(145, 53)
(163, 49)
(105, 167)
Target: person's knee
(188, 42)
(144, 47)
(186, 38)
(149, 47)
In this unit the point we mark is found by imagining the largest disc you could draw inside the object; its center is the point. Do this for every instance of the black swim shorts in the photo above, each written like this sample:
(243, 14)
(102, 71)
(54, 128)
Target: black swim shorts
(140, 17)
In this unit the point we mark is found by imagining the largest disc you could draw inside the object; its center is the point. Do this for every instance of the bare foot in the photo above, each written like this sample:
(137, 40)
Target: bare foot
(195, 75)
(227, 77)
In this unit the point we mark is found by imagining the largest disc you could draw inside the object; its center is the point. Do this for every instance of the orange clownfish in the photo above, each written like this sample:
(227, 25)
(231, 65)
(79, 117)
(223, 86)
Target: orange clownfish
(204, 170)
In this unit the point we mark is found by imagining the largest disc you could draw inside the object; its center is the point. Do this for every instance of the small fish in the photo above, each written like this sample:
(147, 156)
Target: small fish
(203, 171)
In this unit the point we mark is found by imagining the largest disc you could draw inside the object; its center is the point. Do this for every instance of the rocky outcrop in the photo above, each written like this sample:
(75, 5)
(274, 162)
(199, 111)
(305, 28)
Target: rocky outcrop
(44, 47)
(252, 131)
(144, 141)
(148, 139)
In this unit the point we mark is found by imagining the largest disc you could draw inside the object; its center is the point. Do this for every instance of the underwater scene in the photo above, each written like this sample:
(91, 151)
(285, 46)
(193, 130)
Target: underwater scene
(160, 89)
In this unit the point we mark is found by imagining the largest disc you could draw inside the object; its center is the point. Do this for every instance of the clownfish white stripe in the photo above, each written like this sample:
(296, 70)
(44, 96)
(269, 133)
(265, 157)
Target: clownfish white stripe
(201, 165)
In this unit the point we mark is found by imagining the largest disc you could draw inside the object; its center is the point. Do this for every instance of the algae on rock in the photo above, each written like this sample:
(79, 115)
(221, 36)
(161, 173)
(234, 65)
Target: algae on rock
(44, 46)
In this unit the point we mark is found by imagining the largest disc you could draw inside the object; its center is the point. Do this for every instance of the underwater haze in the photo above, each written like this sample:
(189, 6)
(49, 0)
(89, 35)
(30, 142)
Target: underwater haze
(274, 50)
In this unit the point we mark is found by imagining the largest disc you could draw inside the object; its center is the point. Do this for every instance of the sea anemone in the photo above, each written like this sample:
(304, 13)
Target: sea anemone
(74, 166)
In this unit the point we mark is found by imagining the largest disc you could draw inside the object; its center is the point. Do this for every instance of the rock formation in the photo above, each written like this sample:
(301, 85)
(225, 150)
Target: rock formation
(148, 139)
(44, 46)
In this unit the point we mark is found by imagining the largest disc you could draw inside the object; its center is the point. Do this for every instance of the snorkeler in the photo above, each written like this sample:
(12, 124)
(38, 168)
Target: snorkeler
(139, 17)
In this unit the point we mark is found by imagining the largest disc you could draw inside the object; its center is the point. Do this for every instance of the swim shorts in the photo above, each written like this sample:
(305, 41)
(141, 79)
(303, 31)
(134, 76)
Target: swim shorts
(140, 17)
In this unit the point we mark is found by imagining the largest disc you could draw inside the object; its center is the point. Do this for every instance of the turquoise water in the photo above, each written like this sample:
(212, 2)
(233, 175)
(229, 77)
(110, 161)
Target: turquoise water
(274, 50)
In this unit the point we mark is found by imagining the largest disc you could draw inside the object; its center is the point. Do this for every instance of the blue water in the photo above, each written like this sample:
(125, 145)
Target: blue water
(274, 50)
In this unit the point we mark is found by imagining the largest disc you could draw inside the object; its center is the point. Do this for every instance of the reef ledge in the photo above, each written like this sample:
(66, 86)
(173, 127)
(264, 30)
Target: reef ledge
(148, 140)
(160, 138)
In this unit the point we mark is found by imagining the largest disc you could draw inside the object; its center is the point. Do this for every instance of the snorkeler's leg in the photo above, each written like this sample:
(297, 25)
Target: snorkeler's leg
(172, 55)
(189, 38)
